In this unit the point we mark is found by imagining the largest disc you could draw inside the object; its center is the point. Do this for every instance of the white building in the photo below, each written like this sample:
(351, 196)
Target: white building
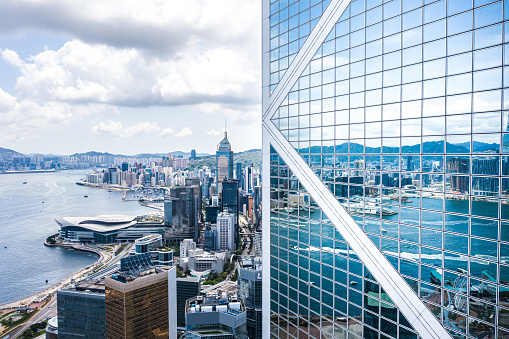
(198, 260)
(185, 245)
(225, 236)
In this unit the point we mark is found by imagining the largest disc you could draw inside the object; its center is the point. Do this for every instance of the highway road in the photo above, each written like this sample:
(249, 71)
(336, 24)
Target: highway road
(48, 311)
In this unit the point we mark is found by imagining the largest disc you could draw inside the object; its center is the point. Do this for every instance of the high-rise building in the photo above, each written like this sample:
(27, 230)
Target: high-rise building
(141, 304)
(193, 154)
(367, 107)
(224, 160)
(185, 208)
(187, 288)
(250, 291)
(230, 198)
(81, 309)
(225, 232)
(238, 172)
(248, 179)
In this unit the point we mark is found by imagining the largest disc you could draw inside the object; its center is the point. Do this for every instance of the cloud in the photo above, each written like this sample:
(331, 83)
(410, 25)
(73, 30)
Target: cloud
(166, 132)
(184, 132)
(134, 54)
(113, 128)
(22, 119)
(125, 53)
(213, 132)
(157, 26)
(244, 113)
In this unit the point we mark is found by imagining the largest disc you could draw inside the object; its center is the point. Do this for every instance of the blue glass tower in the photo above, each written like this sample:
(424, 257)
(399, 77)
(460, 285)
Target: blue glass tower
(386, 212)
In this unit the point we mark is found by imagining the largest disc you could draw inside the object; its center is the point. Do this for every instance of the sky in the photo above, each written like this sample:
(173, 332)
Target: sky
(125, 76)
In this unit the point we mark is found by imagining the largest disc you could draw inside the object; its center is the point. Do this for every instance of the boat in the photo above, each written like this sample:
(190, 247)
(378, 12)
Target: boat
(46, 281)
(25, 182)
(85, 196)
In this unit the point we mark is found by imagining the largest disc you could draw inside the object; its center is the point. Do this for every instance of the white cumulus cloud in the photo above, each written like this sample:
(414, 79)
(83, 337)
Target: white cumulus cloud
(184, 132)
(166, 132)
(113, 128)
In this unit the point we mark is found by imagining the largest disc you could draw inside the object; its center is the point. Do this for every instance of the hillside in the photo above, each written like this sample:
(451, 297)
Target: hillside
(6, 150)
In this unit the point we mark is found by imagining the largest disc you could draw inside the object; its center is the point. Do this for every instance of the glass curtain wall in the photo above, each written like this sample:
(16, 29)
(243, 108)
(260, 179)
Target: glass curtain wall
(402, 115)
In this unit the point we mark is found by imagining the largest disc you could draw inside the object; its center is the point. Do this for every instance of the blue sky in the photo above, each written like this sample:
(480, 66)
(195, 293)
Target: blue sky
(129, 77)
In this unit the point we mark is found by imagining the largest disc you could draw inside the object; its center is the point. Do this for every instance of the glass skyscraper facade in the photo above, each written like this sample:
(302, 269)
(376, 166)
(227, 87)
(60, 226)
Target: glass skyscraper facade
(386, 141)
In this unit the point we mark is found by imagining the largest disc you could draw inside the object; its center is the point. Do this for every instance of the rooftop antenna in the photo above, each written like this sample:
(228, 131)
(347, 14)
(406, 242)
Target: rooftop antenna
(225, 128)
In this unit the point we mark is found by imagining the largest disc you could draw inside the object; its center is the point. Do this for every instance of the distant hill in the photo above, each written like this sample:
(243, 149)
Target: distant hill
(138, 156)
(253, 156)
(6, 150)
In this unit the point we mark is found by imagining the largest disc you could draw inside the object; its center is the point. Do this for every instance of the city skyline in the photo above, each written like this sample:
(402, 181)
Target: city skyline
(114, 80)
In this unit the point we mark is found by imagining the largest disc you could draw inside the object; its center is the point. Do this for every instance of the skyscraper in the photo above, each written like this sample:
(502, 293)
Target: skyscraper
(224, 160)
(367, 107)
(225, 236)
(250, 291)
(141, 304)
(81, 309)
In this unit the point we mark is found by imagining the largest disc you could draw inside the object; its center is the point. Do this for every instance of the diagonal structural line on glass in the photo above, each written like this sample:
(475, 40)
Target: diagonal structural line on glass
(323, 27)
(414, 310)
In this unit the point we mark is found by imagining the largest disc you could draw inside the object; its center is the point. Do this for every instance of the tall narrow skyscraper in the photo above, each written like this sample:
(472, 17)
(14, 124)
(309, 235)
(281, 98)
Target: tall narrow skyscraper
(224, 160)
(385, 208)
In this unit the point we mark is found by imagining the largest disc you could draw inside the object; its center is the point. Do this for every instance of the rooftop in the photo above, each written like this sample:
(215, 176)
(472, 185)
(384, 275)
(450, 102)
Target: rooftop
(253, 263)
(202, 304)
(99, 223)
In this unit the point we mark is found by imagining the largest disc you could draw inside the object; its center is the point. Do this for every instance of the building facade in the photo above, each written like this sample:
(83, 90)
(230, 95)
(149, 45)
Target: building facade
(224, 160)
(225, 232)
(141, 306)
(81, 309)
(187, 288)
(186, 245)
(391, 116)
(250, 291)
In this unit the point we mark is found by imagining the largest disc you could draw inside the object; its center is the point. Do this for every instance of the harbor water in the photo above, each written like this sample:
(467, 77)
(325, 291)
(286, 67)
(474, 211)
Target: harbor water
(27, 214)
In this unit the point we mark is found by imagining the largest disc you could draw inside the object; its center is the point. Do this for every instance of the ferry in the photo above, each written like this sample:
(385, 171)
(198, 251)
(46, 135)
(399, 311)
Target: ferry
(25, 182)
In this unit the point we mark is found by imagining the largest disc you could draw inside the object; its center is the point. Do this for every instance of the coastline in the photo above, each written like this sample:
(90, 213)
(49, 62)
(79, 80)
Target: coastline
(48, 291)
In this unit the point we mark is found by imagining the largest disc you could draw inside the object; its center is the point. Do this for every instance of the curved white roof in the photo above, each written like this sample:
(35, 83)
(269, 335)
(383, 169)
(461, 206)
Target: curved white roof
(100, 223)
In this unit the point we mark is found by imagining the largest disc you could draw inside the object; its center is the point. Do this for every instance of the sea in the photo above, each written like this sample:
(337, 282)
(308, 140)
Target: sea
(27, 213)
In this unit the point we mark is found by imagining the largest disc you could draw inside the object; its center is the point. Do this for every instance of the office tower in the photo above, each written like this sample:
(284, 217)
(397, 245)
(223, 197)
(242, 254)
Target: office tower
(193, 154)
(230, 198)
(248, 179)
(187, 288)
(362, 102)
(210, 235)
(225, 232)
(211, 213)
(224, 160)
(238, 172)
(186, 211)
(168, 211)
(257, 199)
(81, 309)
(215, 318)
(141, 303)
(250, 291)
